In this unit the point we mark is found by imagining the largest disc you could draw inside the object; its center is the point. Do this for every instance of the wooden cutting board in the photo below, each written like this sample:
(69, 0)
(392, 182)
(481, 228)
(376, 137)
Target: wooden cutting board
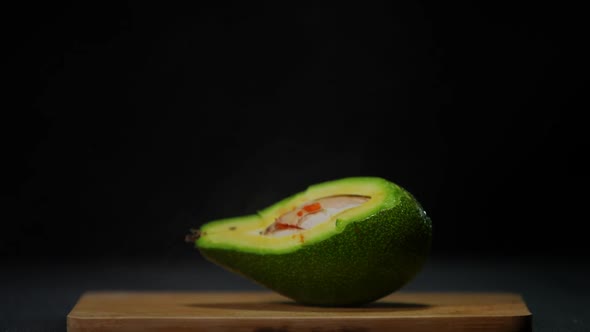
(266, 312)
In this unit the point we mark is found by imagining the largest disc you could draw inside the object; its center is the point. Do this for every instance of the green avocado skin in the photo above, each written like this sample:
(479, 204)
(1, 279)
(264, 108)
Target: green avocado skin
(368, 260)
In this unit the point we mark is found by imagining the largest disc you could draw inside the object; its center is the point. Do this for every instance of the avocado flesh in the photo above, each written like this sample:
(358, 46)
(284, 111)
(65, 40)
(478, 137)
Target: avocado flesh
(372, 245)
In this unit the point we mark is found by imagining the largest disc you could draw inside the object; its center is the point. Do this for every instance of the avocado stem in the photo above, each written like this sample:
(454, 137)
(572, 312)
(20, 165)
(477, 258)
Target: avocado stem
(193, 236)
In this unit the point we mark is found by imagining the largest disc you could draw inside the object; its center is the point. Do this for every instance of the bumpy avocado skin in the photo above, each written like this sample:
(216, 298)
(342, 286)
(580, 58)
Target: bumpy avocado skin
(368, 260)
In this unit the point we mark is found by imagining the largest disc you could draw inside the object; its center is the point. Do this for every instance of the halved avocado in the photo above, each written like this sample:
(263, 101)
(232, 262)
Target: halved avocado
(339, 243)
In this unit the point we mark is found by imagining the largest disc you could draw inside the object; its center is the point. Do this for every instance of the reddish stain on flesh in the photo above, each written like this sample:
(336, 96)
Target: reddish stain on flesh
(314, 207)
(280, 226)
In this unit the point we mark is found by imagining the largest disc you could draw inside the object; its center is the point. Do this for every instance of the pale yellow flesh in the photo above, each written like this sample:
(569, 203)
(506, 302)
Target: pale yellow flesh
(248, 231)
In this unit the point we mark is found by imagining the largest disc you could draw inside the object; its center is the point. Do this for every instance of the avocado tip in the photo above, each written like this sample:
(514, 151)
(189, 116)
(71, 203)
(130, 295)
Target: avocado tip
(193, 236)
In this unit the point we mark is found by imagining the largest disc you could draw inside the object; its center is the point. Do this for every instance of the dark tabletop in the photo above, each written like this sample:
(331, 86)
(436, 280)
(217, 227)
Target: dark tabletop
(37, 295)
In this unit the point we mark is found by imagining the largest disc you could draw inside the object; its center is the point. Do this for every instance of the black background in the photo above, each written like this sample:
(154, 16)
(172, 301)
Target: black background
(134, 122)
(125, 125)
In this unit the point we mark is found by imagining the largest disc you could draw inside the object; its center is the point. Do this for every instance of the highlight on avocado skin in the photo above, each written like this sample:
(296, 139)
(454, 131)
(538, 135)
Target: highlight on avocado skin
(344, 242)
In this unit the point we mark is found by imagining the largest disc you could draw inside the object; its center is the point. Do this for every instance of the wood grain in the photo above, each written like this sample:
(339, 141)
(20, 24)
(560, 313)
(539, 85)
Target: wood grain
(266, 312)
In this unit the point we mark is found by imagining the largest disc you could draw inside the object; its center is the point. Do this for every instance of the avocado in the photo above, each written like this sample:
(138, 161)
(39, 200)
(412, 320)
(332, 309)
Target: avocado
(344, 242)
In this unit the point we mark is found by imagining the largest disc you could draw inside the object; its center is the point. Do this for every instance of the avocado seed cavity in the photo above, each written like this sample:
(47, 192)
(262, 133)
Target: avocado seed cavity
(313, 213)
